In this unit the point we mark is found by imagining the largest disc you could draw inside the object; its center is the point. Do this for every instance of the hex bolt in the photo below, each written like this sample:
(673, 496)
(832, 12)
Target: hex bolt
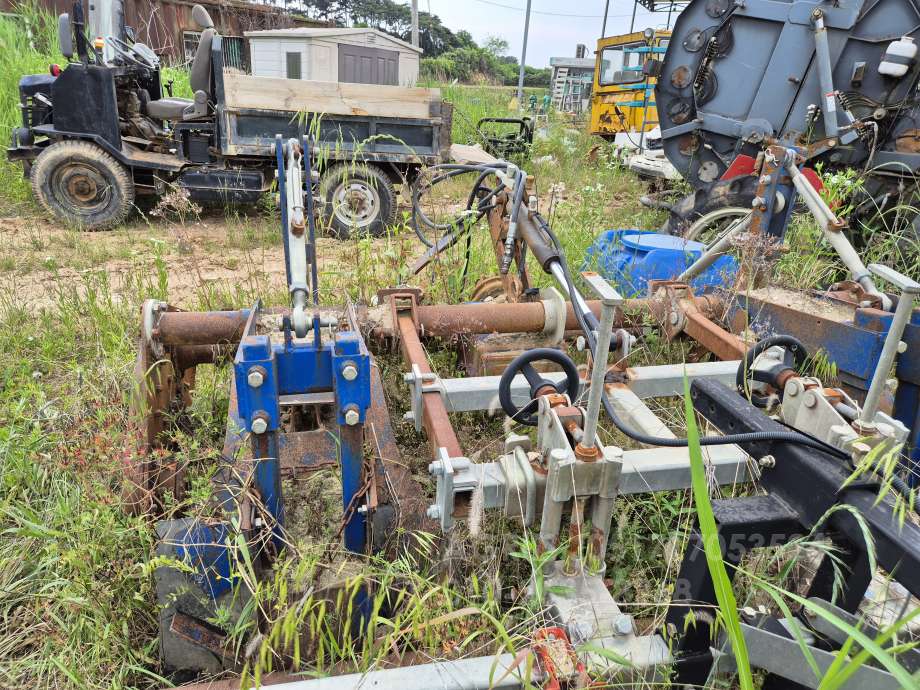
(255, 377)
(810, 399)
(767, 461)
(349, 372)
(352, 416)
(259, 424)
(623, 625)
(434, 512)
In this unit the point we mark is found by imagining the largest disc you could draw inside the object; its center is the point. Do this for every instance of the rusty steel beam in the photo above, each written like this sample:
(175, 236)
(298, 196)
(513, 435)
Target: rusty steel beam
(724, 345)
(200, 327)
(435, 419)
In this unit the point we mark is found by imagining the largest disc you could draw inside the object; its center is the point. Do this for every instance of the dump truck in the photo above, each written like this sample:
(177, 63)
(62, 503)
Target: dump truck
(838, 81)
(103, 132)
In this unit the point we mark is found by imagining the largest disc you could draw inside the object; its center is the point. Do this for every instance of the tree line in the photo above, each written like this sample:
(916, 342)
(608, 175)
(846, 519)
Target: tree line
(448, 55)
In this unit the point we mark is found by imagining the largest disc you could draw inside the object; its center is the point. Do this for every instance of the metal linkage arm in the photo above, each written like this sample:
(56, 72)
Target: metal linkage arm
(832, 227)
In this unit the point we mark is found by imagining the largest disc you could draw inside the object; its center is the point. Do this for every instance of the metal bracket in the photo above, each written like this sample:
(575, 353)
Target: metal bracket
(420, 384)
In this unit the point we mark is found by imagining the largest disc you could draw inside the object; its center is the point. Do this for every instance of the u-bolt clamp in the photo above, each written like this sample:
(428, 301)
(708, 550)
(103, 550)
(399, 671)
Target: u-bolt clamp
(420, 384)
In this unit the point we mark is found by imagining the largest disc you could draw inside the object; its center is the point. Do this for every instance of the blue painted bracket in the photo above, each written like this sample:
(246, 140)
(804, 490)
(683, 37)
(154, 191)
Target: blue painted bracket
(854, 346)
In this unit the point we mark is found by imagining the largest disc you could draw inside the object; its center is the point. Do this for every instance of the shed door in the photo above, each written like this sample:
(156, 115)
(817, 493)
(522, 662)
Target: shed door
(360, 65)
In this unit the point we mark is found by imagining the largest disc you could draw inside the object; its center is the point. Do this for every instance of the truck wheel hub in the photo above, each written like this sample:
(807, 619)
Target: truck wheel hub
(356, 203)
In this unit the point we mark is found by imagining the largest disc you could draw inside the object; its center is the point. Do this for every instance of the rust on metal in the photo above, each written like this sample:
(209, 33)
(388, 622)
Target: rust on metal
(434, 413)
(448, 320)
(395, 483)
(200, 328)
(198, 633)
(303, 452)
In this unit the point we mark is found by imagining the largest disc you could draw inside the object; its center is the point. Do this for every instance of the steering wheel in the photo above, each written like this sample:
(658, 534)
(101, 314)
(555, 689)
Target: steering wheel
(794, 356)
(523, 364)
(128, 52)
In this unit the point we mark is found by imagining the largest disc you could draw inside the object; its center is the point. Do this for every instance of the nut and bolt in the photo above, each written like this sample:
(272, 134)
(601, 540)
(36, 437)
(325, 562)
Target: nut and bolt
(255, 377)
(434, 512)
(623, 625)
(349, 372)
(259, 424)
(767, 461)
(352, 416)
(811, 399)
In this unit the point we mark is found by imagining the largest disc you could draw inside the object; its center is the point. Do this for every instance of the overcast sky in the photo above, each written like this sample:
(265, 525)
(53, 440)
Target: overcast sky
(556, 26)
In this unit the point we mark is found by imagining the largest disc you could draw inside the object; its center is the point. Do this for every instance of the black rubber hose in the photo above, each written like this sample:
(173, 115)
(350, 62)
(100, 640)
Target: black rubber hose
(798, 349)
(418, 215)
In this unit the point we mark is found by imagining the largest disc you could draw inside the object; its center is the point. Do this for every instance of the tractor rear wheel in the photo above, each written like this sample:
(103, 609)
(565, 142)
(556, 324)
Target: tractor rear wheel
(82, 185)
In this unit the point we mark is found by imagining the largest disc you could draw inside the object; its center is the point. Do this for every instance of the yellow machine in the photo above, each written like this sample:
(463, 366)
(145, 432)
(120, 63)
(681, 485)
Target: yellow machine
(623, 98)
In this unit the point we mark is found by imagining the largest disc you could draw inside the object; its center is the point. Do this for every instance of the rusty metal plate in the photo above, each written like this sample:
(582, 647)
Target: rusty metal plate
(688, 144)
(681, 77)
(680, 111)
(908, 141)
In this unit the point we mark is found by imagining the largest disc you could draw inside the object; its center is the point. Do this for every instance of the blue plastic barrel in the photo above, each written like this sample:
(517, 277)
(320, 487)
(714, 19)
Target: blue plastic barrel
(628, 259)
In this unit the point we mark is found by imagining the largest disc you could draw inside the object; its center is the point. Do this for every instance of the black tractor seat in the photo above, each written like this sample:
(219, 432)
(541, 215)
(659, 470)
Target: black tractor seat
(200, 78)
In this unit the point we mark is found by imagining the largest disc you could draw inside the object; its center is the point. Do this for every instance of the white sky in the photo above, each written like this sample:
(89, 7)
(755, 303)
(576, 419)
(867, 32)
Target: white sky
(551, 35)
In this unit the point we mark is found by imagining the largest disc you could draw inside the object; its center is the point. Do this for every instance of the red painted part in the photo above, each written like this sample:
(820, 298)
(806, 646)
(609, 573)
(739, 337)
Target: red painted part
(814, 178)
(742, 165)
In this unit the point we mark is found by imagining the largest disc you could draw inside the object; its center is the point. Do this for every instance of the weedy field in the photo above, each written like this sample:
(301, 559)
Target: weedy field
(77, 607)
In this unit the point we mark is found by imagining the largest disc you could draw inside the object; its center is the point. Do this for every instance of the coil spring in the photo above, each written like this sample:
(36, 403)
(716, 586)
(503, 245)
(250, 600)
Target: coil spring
(703, 73)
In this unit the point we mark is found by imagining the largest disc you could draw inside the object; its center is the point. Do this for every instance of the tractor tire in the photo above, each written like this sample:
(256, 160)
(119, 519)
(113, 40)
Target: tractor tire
(738, 192)
(82, 185)
(357, 198)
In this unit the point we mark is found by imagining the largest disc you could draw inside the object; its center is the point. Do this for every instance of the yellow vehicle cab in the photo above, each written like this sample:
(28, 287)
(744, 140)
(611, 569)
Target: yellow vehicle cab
(623, 98)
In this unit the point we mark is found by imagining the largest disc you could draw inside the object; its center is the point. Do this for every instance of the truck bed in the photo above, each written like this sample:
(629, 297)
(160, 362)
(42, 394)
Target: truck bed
(356, 121)
(242, 92)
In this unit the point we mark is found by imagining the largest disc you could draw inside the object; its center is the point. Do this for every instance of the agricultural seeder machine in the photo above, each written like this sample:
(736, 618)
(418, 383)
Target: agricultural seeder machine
(306, 392)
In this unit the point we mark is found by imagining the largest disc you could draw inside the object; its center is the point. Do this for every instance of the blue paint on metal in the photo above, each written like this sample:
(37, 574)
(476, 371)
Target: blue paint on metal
(854, 347)
(266, 449)
(204, 549)
(631, 258)
(296, 367)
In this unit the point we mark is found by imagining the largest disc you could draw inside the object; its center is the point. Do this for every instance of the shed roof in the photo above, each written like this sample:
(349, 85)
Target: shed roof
(324, 32)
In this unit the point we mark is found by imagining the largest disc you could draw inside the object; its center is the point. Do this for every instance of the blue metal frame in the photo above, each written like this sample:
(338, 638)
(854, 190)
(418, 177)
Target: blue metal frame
(854, 347)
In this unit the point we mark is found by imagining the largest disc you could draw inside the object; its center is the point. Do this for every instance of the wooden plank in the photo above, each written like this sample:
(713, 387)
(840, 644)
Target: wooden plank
(472, 155)
(333, 98)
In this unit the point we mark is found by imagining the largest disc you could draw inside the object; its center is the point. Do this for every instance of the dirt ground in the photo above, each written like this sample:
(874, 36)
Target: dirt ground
(215, 255)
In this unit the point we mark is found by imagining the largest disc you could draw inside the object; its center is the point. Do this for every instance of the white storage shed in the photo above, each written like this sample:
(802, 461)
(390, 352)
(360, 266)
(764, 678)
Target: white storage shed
(356, 56)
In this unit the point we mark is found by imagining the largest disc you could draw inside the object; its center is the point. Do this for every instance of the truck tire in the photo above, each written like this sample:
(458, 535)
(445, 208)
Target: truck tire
(82, 185)
(357, 198)
(737, 192)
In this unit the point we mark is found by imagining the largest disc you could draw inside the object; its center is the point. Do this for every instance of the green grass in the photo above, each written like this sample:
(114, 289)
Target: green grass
(28, 45)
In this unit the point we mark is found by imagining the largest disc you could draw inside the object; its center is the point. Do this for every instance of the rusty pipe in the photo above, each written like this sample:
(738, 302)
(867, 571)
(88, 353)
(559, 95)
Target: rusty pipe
(200, 327)
(522, 317)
